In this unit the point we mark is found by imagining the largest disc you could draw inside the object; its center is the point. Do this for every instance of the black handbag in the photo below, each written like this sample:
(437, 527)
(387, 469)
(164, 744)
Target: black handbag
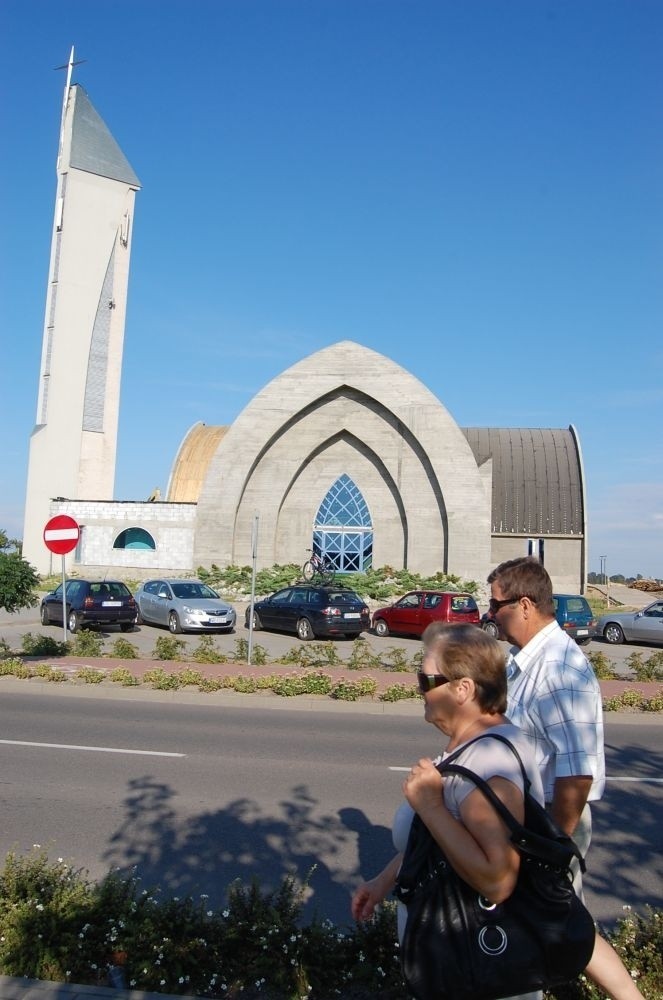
(459, 946)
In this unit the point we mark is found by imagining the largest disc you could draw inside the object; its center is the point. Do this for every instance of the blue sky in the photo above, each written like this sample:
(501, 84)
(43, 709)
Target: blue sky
(474, 189)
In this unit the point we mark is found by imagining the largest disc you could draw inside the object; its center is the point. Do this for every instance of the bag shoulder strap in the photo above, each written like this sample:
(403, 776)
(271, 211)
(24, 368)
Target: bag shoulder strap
(494, 736)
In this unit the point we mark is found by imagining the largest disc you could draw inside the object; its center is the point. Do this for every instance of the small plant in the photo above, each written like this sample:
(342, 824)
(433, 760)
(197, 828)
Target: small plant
(650, 669)
(87, 643)
(312, 654)
(123, 676)
(290, 685)
(124, 650)
(207, 652)
(245, 685)
(603, 667)
(345, 690)
(361, 657)
(190, 678)
(90, 676)
(241, 654)
(168, 648)
(48, 673)
(43, 645)
(653, 704)
(15, 667)
(395, 658)
(162, 681)
(210, 684)
(5, 649)
(399, 692)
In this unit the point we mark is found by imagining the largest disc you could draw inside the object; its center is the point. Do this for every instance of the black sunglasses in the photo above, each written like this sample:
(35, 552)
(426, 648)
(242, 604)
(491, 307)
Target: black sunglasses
(494, 606)
(427, 682)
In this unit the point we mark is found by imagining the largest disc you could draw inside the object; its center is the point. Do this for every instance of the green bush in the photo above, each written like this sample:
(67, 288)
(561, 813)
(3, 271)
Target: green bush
(345, 690)
(362, 657)
(58, 925)
(400, 692)
(49, 673)
(123, 676)
(650, 669)
(311, 682)
(87, 643)
(395, 658)
(313, 654)
(162, 681)
(241, 654)
(603, 667)
(168, 648)
(15, 667)
(124, 650)
(43, 645)
(207, 652)
(90, 676)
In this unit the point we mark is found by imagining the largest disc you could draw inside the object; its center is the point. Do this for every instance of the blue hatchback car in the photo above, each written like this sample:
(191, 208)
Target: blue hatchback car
(572, 612)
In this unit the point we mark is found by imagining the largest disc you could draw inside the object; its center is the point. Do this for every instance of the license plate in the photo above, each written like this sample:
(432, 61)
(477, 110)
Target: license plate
(582, 631)
(219, 619)
(111, 604)
(352, 614)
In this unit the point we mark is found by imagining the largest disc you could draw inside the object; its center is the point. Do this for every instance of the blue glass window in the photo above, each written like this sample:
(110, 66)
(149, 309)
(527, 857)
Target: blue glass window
(343, 529)
(134, 538)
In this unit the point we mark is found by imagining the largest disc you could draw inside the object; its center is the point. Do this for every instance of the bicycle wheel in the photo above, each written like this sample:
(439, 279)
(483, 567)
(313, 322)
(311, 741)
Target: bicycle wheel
(308, 570)
(327, 574)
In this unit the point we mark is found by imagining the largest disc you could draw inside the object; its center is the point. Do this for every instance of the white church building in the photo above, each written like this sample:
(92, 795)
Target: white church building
(345, 452)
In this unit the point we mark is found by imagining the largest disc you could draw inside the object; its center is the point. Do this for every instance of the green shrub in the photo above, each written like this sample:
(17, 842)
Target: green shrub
(168, 648)
(312, 654)
(362, 657)
(90, 676)
(87, 643)
(15, 667)
(395, 658)
(653, 704)
(124, 650)
(399, 692)
(207, 652)
(245, 685)
(5, 649)
(603, 667)
(43, 645)
(190, 678)
(650, 669)
(162, 681)
(210, 684)
(313, 682)
(345, 690)
(241, 654)
(123, 676)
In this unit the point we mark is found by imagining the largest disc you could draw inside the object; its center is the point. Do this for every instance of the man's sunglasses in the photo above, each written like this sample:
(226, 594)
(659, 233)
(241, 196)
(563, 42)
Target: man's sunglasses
(494, 606)
(427, 682)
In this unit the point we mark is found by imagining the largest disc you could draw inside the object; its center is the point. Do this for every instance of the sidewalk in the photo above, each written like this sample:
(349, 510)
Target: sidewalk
(14, 988)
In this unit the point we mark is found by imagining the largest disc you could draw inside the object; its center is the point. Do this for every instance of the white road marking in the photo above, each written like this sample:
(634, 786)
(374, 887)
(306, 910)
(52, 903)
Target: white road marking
(72, 746)
(653, 781)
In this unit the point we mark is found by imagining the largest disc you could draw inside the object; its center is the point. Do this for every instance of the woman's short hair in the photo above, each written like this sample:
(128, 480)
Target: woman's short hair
(467, 651)
(525, 577)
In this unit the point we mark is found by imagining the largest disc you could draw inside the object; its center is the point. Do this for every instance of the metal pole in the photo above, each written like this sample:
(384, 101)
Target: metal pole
(607, 584)
(254, 557)
(64, 601)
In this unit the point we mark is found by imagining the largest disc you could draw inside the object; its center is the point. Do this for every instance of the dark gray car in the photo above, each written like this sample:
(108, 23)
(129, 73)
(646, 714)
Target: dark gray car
(634, 626)
(183, 606)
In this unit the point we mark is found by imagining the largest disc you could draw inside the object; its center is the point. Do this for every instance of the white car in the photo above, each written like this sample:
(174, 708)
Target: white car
(634, 626)
(183, 606)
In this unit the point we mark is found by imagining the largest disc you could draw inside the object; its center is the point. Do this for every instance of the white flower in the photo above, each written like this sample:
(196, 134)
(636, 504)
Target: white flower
(132, 982)
(210, 912)
(226, 913)
(162, 982)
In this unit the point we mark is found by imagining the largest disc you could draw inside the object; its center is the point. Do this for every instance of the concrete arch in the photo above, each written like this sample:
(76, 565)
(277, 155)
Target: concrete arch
(281, 446)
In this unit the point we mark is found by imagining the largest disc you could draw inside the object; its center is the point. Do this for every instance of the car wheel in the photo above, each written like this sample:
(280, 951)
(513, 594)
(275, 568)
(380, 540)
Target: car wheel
(256, 621)
(381, 628)
(73, 622)
(304, 630)
(613, 633)
(174, 623)
(43, 614)
(490, 628)
(126, 626)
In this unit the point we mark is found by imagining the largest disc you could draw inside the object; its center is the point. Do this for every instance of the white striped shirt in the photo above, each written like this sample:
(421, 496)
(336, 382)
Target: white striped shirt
(554, 697)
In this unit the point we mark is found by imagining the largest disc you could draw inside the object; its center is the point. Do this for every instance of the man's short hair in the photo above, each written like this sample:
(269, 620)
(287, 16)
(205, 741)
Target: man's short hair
(525, 577)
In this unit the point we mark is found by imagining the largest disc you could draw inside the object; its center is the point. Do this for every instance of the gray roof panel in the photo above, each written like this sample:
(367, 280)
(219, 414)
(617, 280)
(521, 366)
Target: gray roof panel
(93, 148)
(537, 479)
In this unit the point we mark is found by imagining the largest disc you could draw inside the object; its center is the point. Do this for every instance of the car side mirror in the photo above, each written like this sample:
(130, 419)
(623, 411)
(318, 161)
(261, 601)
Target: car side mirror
(639, 614)
(162, 593)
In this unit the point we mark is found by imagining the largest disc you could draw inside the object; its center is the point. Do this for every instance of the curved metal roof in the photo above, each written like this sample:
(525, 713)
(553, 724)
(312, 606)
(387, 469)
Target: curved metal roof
(537, 479)
(192, 461)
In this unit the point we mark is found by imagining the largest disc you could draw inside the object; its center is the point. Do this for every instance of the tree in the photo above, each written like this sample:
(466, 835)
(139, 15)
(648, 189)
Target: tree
(18, 579)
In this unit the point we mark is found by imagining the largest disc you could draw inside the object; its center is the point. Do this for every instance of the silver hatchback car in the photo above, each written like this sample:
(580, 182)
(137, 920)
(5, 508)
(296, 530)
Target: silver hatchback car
(183, 606)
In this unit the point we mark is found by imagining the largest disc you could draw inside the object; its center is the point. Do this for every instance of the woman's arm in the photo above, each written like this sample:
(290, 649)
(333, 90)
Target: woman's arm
(478, 848)
(369, 894)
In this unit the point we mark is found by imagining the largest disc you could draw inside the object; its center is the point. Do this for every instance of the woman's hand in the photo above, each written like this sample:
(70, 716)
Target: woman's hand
(423, 787)
(371, 893)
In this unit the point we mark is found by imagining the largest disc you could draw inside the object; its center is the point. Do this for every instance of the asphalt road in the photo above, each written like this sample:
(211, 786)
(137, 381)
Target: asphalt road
(195, 793)
(144, 637)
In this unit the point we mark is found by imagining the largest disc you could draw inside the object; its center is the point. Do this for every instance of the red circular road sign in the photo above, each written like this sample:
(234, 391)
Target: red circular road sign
(61, 534)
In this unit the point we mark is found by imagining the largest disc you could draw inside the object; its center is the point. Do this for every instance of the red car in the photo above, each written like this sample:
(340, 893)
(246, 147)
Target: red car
(419, 608)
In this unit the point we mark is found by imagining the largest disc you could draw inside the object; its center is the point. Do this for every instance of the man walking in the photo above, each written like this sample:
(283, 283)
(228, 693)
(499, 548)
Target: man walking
(554, 697)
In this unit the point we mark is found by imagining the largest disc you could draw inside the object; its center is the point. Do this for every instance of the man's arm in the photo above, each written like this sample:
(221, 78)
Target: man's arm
(569, 798)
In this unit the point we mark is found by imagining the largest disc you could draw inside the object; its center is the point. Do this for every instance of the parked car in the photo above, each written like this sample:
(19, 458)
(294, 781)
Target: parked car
(414, 611)
(634, 626)
(572, 612)
(575, 616)
(183, 606)
(311, 611)
(90, 602)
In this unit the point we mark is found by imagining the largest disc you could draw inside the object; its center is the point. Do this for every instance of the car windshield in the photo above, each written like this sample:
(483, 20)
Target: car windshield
(343, 597)
(189, 590)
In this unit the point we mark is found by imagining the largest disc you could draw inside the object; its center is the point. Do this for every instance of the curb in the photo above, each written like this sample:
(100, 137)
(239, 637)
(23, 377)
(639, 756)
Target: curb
(19, 988)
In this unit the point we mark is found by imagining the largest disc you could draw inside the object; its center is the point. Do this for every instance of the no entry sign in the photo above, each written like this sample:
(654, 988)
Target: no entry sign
(61, 534)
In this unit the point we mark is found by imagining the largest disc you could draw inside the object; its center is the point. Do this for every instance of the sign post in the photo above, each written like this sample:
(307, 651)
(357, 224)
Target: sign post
(61, 535)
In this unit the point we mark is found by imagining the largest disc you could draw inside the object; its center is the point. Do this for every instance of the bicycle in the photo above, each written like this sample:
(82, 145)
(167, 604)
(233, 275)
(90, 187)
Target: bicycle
(318, 568)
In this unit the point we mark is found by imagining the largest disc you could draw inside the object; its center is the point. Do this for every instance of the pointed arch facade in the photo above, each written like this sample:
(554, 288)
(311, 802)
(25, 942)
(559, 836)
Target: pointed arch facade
(347, 410)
